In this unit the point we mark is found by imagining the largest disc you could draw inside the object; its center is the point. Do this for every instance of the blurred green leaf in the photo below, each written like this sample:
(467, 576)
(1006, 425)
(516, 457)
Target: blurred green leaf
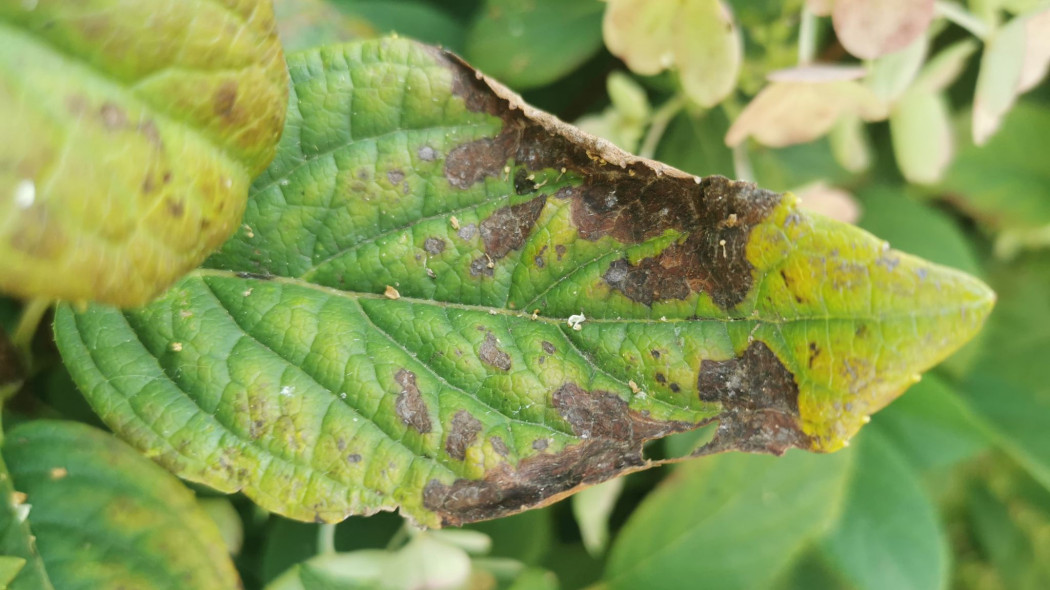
(923, 142)
(1006, 183)
(529, 43)
(888, 534)
(103, 516)
(735, 519)
(1010, 383)
(525, 537)
(932, 426)
(592, 508)
(416, 19)
(693, 142)
(1010, 538)
(312, 23)
(9, 568)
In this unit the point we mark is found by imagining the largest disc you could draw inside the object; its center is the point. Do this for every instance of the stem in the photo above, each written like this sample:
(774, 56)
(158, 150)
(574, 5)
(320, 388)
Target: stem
(28, 323)
(807, 36)
(964, 18)
(326, 539)
(658, 125)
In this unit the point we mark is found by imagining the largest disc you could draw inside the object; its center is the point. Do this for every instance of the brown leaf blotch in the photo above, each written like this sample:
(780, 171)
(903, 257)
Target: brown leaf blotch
(224, 99)
(461, 434)
(434, 245)
(613, 446)
(492, 355)
(508, 227)
(499, 446)
(548, 347)
(395, 176)
(410, 406)
(113, 116)
(759, 398)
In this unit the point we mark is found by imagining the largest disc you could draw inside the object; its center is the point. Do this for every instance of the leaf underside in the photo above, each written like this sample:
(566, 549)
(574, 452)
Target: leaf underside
(390, 326)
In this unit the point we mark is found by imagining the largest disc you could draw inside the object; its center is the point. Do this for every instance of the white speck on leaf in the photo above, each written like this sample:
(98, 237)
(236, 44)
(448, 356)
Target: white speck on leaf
(176, 347)
(576, 321)
(25, 194)
(287, 391)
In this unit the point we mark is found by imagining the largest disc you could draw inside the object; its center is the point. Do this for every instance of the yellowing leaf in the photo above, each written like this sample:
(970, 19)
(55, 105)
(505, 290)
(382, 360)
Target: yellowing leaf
(697, 36)
(561, 303)
(1014, 60)
(131, 131)
(872, 28)
(803, 104)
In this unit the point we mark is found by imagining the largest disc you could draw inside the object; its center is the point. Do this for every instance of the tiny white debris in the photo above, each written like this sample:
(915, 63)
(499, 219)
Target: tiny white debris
(287, 391)
(663, 318)
(576, 321)
(25, 194)
(722, 243)
(342, 395)
(176, 347)
(228, 182)
(284, 182)
(391, 293)
(696, 179)
(535, 314)
(454, 222)
(634, 386)
(492, 312)
(18, 504)
(248, 231)
(867, 419)
(248, 292)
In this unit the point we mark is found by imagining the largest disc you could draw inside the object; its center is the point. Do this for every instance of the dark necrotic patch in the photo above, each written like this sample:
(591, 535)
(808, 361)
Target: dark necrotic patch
(353, 458)
(759, 397)
(508, 227)
(461, 434)
(395, 176)
(548, 347)
(613, 445)
(492, 355)
(410, 406)
(467, 232)
(523, 183)
(434, 245)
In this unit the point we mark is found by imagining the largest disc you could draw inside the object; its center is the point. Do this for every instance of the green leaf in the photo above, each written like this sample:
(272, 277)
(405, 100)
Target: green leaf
(923, 141)
(888, 535)
(531, 43)
(312, 23)
(1010, 384)
(932, 426)
(9, 568)
(105, 517)
(462, 309)
(694, 525)
(129, 150)
(412, 18)
(1006, 183)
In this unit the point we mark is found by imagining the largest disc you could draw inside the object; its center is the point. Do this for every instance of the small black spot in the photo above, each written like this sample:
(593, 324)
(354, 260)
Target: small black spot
(540, 444)
(395, 176)
(675, 387)
(814, 351)
(548, 347)
(523, 185)
(480, 266)
(560, 251)
(655, 353)
(660, 378)
(353, 458)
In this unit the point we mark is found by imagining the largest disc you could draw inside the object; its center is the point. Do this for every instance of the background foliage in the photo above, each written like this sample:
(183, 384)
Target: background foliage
(948, 487)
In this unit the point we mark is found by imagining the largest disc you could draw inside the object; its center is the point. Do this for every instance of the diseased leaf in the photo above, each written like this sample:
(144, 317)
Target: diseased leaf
(872, 28)
(693, 525)
(445, 300)
(529, 44)
(128, 151)
(102, 516)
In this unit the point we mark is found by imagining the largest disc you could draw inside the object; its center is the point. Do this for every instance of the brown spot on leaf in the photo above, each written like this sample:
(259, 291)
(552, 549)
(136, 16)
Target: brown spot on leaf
(560, 251)
(548, 347)
(620, 196)
(410, 406)
(353, 458)
(759, 398)
(467, 232)
(113, 116)
(540, 263)
(660, 378)
(461, 434)
(481, 266)
(175, 207)
(814, 352)
(675, 387)
(434, 245)
(613, 445)
(492, 355)
(224, 99)
(395, 176)
(499, 446)
(508, 227)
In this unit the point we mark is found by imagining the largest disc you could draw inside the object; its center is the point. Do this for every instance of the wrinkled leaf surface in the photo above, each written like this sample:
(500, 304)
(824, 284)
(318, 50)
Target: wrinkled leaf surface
(444, 300)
